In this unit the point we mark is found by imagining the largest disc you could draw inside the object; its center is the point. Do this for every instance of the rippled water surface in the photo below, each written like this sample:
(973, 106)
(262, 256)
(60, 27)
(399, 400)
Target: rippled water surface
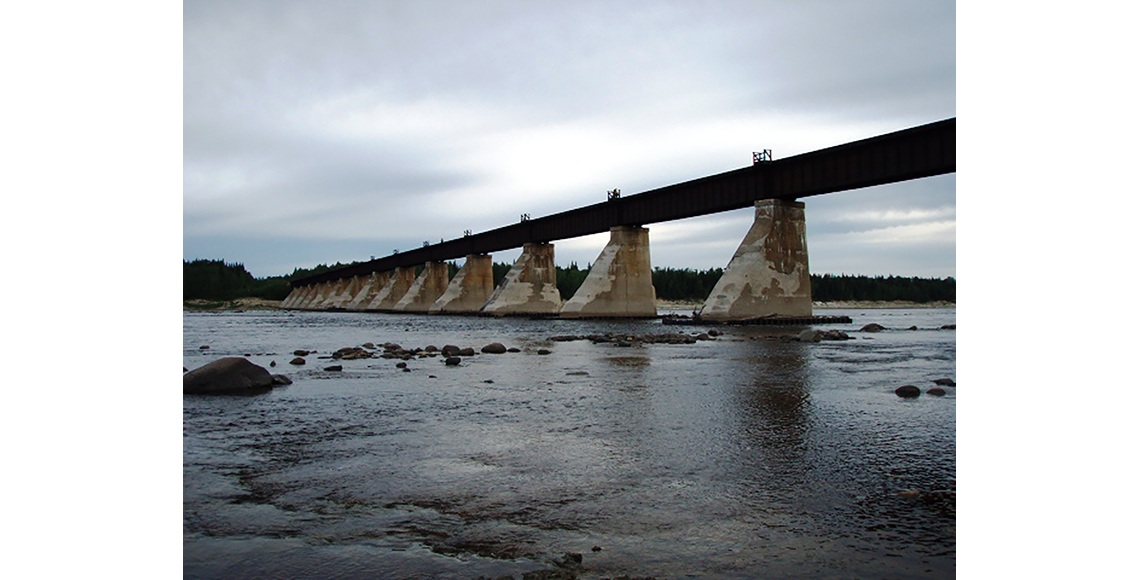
(737, 457)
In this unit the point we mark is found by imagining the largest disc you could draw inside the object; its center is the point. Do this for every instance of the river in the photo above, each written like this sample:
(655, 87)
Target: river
(743, 456)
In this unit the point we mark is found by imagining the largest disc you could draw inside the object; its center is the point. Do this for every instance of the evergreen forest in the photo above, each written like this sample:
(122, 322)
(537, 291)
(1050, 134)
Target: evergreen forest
(221, 281)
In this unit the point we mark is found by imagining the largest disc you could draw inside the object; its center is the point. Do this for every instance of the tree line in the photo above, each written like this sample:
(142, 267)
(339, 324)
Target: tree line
(219, 280)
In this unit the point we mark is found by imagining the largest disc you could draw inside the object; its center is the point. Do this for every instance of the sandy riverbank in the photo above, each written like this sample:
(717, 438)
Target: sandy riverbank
(239, 304)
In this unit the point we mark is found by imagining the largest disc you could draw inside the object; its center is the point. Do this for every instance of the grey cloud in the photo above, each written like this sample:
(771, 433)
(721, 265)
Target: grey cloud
(385, 121)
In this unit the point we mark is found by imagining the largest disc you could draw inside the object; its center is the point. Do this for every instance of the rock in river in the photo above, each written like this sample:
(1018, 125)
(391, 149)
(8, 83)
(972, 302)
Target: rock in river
(228, 376)
(873, 328)
(809, 335)
(908, 391)
(495, 348)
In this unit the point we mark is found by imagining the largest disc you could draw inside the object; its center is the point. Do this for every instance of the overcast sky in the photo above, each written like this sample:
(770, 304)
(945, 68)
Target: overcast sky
(342, 130)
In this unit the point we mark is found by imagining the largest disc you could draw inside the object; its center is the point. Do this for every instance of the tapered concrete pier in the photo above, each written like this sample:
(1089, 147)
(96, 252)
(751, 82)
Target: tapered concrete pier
(372, 286)
(398, 284)
(768, 274)
(620, 283)
(470, 289)
(344, 292)
(426, 289)
(530, 287)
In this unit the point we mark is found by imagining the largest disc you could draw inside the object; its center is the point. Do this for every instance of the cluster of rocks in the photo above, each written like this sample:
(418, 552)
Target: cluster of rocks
(620, 339)
(451, 353)
(875, 327)
(911, 391)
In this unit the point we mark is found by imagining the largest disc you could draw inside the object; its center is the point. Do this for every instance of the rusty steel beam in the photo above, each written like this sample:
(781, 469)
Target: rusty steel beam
(922, 151)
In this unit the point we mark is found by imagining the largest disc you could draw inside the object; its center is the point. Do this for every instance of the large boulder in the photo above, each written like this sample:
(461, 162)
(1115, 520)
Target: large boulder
(495, 348)
(228, 376)
(908, 391)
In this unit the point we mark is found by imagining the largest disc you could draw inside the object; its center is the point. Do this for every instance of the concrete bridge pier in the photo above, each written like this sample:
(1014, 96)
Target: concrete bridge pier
(399, 281)
(368, 290)
(530, 287)
(323, 295)
(344, 290)
(470, 289)
(319, 296)
(307, 293)
(426, 289)
(293, 296)
(620, 283)
(768, 274)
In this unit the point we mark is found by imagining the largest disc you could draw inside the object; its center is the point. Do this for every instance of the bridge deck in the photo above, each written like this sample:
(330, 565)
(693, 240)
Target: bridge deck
(922, 151)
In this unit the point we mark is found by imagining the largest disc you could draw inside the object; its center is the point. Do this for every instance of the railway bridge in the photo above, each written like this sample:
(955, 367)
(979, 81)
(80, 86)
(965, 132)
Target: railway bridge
(767, 276)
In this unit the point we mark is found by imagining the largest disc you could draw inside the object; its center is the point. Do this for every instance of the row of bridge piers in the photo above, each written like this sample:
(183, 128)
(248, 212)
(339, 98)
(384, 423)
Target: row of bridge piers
(767, 276)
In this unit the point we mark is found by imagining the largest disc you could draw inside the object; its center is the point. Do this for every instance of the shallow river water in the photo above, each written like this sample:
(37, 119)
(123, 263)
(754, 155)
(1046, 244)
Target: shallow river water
(737, 457)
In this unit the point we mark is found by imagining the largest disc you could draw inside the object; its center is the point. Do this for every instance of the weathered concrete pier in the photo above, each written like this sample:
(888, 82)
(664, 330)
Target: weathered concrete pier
(767, 277)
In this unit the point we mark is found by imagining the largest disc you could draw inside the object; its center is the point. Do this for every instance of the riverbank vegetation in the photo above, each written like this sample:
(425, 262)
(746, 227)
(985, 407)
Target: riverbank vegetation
(217, 280)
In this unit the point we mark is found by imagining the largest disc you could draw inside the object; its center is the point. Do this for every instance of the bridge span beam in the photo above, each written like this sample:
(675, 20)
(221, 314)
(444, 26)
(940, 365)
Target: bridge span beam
(768, 274)
(530, 287)
(470, 289)
(620, 283)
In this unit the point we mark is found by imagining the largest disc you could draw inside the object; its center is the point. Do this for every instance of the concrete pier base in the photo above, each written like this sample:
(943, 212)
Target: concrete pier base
(318, 300)
(368, 291)
(305, 296)
(470, 289)
(399, 281)
(620, 283)
(427, 288)
(344, 291)
(768, 274)
(530, 287)
(291, 299)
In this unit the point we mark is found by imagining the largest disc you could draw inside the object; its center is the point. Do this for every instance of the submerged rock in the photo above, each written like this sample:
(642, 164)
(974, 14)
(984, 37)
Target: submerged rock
(228, 376)
(936, 391)
(297, 361)
(809, 335)
(452, 361)
(351, 353)
(944, 382)
(873, 327)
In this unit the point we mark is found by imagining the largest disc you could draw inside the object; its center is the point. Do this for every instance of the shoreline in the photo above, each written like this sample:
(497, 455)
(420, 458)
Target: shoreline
(262, 304)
